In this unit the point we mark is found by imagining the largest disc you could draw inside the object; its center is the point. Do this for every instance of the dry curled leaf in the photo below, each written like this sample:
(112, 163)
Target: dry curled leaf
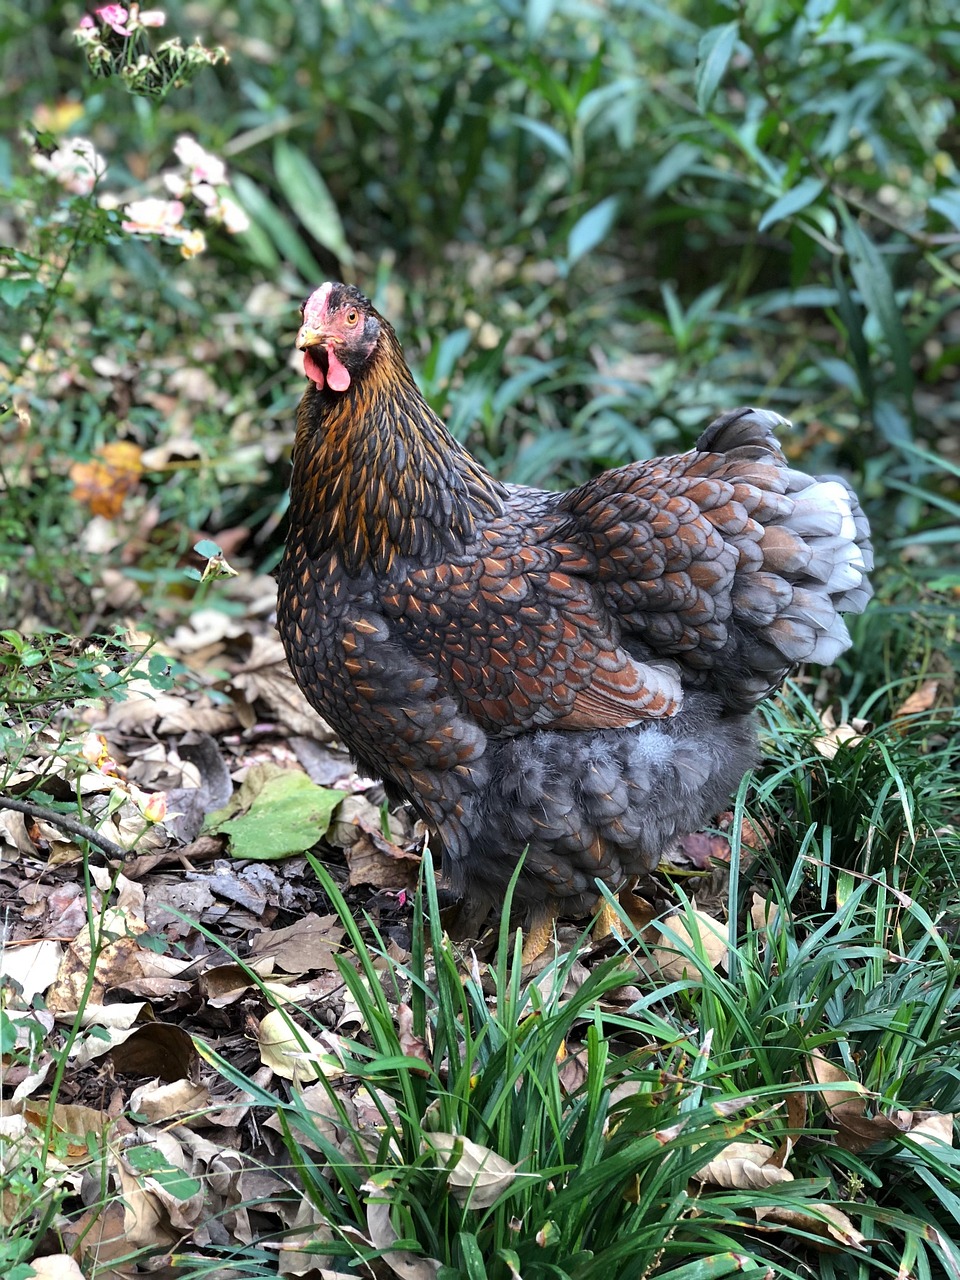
(476, 1175)
(747, 1166)
(920, 700)
(383, 1235)
(836, 735)
(826, 1221)
(292, 1053)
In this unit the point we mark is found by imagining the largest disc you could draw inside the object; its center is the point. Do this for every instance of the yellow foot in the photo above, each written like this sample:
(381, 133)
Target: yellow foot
(607, 920)
(539, 936)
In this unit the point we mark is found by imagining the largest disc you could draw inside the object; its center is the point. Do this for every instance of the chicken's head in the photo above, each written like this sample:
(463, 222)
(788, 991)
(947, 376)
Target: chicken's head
(339, 334)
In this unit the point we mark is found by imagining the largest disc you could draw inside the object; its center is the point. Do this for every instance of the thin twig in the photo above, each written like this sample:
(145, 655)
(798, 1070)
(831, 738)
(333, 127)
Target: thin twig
(75, 828)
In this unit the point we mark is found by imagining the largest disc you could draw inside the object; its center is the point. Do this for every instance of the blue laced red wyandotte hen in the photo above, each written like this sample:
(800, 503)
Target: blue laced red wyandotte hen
(566, 674)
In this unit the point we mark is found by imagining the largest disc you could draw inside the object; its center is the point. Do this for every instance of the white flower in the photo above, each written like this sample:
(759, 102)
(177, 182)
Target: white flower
(234, 218)
(176, 184)
(76, 165)
(201, 165)
(154, 217)
(151, 17)
(206, 195)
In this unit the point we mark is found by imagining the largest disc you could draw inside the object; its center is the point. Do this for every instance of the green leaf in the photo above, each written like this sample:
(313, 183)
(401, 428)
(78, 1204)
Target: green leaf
(152, 1163)
(791, 202)
(550, 137)
(276, 226)
(276, 812)
(13, 292)
(206, 547)
(310, 199)
(713, 56)
(873, 280)
(678, 161)
(587, 232)
(538, 15)
(948, 204)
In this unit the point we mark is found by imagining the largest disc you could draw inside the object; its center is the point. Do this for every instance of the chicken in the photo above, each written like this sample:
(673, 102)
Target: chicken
(567, 678)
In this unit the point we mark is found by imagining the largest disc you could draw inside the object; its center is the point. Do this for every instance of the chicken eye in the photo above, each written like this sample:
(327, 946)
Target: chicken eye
(352, 317)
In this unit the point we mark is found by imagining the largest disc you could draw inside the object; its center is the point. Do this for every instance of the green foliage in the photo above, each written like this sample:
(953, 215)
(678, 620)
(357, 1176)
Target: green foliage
(580, 1179)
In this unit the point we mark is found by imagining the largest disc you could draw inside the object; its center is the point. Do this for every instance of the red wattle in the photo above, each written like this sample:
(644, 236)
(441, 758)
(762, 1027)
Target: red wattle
(338, 377)
(312, 369)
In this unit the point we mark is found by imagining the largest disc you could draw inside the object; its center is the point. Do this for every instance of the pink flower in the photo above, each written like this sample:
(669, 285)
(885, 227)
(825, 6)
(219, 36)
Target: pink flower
(114, 16)
(202, 166)
(153, 807)
(86, 23)
(154, 217)
(76, 165)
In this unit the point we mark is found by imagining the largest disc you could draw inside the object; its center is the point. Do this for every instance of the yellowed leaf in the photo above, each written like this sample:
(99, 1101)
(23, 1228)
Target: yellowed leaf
(698, 931)
(292, 1053)
(104, 482)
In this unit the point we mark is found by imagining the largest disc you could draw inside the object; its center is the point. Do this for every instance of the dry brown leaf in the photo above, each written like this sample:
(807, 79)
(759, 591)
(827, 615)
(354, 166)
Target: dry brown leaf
(311, 943)
(13, 832)
(702, 848)
(476, 1175)
(763, 912)
(74, 1123)
(224, 984)
(921, 699)
(372, 859)
(744, 1166)
(836, 735)
(827, 1222)
(847, 1108)
(182, 1212)
(383, 1235)
(99, 1233)
(824, 1072)
(116, 961)
(158, 1049)
(931, 1128)
(157, 1103)
(146, 1223)
(857, 1131)
(265, 676)
(694, 928)
(411, 1045)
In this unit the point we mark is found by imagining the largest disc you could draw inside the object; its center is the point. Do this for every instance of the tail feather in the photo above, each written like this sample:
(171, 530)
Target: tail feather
(816, 550)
